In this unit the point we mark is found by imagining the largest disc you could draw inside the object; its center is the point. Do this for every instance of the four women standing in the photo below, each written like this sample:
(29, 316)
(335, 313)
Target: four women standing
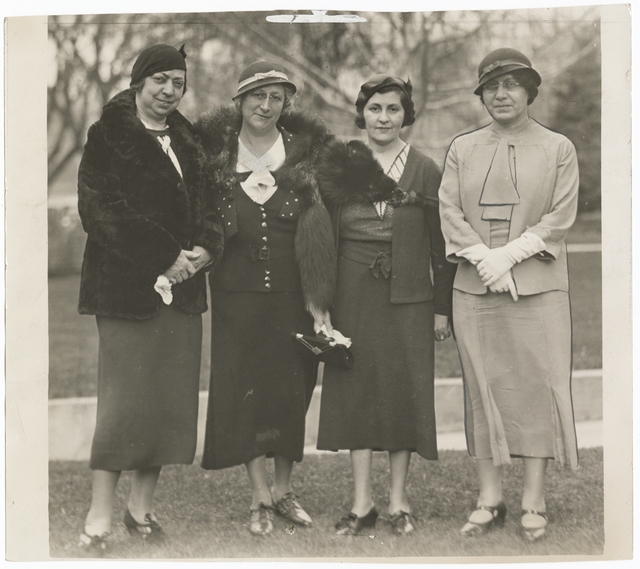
(154, 203)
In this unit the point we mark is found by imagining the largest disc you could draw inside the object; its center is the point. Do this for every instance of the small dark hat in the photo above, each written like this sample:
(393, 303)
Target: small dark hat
(160, 57)
(261, 73)
(501, 61)
(378, 82)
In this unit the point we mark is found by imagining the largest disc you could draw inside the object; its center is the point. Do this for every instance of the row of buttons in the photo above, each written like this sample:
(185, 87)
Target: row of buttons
(267, 273)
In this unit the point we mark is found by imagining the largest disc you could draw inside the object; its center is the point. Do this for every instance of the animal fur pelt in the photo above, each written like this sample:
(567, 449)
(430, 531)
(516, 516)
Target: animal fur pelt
(314, 244)
(348, 171)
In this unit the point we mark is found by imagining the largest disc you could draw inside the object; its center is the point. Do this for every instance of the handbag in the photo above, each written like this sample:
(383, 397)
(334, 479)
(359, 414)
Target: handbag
(321, 348)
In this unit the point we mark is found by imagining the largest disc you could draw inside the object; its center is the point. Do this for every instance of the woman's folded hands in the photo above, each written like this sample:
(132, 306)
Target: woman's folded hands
(187, 264)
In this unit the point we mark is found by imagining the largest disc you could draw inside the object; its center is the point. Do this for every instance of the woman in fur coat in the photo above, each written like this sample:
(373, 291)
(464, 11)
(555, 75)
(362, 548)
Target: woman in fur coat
(143, 202)
(388, 305)
(276, 278)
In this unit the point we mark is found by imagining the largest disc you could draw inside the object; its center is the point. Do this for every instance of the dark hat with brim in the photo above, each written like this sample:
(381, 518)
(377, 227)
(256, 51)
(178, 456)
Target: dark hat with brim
(261, 73)
(501, 61)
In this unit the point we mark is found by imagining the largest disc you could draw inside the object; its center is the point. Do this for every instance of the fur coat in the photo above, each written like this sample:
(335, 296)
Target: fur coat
(304, 138)
(139, 213)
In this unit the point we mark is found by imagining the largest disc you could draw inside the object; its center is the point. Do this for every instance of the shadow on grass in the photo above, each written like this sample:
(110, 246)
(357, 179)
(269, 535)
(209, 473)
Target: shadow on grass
(205, 513)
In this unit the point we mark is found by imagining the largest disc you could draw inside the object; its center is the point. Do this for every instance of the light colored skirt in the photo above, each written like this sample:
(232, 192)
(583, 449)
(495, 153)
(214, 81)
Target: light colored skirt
(516, 364)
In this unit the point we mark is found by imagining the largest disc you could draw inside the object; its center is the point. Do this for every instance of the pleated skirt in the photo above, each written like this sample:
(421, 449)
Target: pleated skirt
(386, 402)
(148, 382)
(516, 364)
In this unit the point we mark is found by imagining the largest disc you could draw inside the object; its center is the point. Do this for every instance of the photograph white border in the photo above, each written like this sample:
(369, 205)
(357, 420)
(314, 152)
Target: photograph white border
(26, 314)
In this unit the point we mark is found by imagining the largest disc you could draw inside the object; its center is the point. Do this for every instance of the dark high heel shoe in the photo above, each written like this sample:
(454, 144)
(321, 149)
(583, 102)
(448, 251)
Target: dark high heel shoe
(353, 525)
(534, 533)
(498, 514)
(93, 546)
(150, 531)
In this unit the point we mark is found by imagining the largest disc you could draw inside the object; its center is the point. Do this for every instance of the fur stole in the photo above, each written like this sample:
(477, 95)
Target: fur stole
(348, 171)
(314, 243)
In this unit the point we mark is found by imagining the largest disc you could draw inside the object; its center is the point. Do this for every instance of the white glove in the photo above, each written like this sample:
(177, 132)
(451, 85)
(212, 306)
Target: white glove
(475, 253)
(505, 284)
(500, 260)
(163, 288)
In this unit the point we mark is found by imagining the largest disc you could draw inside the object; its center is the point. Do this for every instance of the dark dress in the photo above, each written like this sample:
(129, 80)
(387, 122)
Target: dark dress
(139, 212)
(260, 386)
(386, 402)
(148, 381)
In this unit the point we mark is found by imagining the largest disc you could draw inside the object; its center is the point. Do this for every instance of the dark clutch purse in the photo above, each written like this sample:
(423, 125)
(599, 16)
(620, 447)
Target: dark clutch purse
(323, 349)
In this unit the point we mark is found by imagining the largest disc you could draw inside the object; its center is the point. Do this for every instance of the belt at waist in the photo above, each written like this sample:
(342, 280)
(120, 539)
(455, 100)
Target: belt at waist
(259, 252)
(379, 262)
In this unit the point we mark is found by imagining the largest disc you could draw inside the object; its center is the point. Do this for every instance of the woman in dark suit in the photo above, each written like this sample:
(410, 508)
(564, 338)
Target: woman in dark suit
(389, 306)
(276, 278)
(143, 202)
(509, 195)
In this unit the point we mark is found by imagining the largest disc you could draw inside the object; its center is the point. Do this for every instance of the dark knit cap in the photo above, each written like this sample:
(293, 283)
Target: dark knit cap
(378, 82)
(157, 58)
(261, 73)
(501, 61)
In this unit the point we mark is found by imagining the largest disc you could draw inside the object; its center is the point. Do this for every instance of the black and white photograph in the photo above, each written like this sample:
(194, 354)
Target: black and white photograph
(321, 285)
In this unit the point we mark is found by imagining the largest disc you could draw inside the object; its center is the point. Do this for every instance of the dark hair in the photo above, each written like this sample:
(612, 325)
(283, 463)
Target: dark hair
(288, 96)
(526, 80)
(405, 100)
(138, 86)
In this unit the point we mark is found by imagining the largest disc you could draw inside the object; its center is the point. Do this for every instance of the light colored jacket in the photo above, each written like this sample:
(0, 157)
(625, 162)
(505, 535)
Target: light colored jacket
(547, 183)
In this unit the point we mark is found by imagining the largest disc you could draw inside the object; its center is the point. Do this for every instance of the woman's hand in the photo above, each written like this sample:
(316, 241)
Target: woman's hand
(182, 268)
(474, 254)
(496, 263)
(320, 319)
(441, 327)
(199, 257)
(505, 284)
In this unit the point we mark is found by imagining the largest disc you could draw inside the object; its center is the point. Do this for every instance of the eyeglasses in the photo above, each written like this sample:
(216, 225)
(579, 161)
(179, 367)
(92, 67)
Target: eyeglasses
(492, 86)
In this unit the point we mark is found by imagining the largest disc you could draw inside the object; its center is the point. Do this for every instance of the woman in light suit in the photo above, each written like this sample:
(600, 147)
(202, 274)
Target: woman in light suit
(508, 198)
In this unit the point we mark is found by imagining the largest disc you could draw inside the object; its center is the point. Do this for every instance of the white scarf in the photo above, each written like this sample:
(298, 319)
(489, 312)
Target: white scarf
(260, 185)
(165, 142)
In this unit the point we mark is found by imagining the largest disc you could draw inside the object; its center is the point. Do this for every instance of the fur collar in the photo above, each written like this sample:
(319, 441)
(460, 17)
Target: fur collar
(219, 132)
(125, 134)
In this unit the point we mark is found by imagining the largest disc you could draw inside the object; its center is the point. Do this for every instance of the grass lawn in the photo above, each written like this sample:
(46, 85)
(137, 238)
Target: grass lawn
(73, 339)
(205, 513)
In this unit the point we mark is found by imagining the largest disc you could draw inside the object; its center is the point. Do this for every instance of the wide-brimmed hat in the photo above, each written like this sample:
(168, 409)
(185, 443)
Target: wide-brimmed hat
(501, 61)
(261, 73)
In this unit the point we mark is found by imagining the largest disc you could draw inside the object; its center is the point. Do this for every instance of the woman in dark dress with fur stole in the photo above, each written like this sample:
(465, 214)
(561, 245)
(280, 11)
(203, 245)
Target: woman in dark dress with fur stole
(143, 201)
(388, 305)
(276, 278)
